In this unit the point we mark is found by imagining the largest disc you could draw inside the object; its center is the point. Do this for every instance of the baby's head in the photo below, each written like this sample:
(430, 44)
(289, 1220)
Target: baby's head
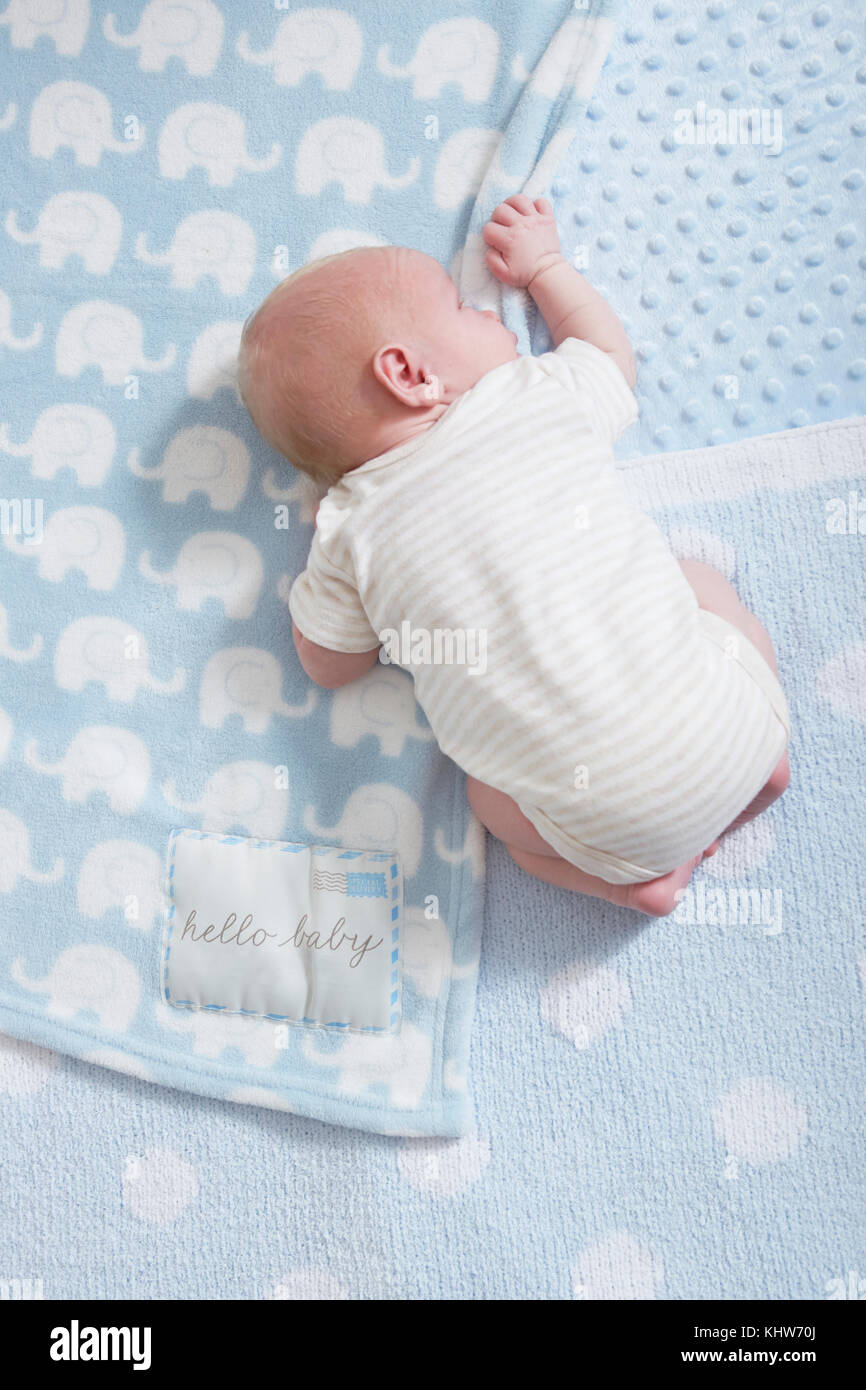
(355, 353)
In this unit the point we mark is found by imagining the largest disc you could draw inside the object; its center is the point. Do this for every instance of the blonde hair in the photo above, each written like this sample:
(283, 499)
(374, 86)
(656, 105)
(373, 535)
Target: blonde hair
(320, 331)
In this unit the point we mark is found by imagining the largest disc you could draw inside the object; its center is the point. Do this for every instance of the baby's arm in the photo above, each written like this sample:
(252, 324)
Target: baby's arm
(524, 251)
(328, 668)
(323, 665)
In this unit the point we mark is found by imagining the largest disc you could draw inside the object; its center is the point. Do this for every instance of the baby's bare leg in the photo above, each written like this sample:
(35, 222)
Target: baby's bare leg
(502, 817)
(716, 595)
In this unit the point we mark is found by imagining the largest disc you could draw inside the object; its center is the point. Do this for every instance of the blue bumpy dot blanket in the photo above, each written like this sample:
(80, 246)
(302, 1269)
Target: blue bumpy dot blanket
(167, 165)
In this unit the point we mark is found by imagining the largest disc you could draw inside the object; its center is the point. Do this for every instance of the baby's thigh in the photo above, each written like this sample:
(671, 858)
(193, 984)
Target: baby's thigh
(716, 595)
(502, 817)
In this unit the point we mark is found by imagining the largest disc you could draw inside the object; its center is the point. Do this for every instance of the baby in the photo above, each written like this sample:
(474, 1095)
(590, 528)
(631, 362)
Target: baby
(629, 710)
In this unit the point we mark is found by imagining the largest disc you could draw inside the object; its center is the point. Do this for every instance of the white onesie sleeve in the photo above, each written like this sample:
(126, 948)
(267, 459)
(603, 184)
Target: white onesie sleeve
(325, 604)
(591, 373)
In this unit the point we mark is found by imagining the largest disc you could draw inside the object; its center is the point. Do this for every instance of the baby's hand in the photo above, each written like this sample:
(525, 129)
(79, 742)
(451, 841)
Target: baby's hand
(522, 239)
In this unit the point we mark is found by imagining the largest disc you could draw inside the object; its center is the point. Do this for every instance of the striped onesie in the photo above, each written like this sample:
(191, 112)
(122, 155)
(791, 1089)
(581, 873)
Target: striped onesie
(629, 725)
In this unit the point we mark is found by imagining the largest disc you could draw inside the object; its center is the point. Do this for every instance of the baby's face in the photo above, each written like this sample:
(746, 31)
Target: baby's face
(465, 343)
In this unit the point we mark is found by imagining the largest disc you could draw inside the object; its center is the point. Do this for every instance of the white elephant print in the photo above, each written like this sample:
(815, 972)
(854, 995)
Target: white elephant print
(5, 734)
(122, 874)
(302, 490)
(381, 703)
(213, 360)
(89, 539)
(7, 337)
(217, 244)
(109, 651)
(100, 758)
(242, 794)
(201, 458)
(325, 41)
(79, 116)
(191, 31)
(472, 849)
(465, 51)
(65, 24)
(67, 436)
(92, 979)
(213, 565)
(400, 1061)
(376, 816)
(81, 224)
(118, 1061)
(9, 117)
(573, 58)
(463, 165)
(339, 239)
(28, 653)
(246, 681)
(427, 959)
(345, 150)
(214, 1033)
(204, 135)
(259, 1095)
(15, 856)
(100, 334)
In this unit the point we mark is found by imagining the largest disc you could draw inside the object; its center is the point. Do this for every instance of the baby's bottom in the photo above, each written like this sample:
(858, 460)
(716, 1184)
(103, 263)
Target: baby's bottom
(500, 814)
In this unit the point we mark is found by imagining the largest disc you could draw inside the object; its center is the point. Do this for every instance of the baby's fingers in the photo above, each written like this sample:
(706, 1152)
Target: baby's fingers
(542, 205)
(497, 264)
(496, 235)
(520, 202)
(505, 215)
